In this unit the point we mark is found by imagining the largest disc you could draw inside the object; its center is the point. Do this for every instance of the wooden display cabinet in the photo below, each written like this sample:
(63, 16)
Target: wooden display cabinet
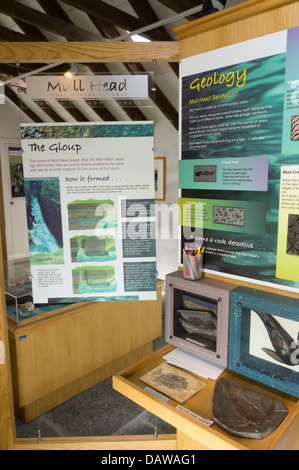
(191, 433)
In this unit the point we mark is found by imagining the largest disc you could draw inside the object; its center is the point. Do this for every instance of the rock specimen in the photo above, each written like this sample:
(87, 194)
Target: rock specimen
(243, 412)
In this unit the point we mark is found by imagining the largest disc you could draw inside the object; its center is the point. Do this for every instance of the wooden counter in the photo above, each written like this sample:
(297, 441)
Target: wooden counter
(191, 433)
(61, 354)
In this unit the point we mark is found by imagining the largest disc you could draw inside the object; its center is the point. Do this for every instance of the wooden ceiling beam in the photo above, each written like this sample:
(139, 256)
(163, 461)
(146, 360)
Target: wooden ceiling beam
(145, 12)
(182, 5)
(12, 96)
(52, 7)
(73, 110)
(105, 12)
(31, 30)
(108, 30)
(110, 14)
(103, 112)
(148, 15)
(157, 96)
(49, 111)
(7, 34)
(85, 51)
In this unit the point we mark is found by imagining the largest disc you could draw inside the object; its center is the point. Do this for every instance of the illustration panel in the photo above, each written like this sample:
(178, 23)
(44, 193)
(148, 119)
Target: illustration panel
(239, 112)
(264, 338)
(88, 248)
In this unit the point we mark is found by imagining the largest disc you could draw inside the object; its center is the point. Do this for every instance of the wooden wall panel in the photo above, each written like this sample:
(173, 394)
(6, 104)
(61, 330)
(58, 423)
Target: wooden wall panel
(91, 52)
(7, 423)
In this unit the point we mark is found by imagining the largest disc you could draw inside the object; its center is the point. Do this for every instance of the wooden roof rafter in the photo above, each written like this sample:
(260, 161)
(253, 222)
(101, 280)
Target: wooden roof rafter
(33, 17)
(105, 12)
(100, 51)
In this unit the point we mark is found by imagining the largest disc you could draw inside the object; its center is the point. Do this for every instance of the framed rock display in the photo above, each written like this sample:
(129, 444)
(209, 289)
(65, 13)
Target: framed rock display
(197, 316)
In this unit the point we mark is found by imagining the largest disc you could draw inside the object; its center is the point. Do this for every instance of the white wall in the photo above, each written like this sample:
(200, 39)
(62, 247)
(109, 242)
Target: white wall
(15, 212)
(167, 211)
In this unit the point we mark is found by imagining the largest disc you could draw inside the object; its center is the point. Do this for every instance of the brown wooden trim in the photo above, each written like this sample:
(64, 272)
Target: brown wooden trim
(227, 16)
(7, 423)
(145, 442)
(2, 227)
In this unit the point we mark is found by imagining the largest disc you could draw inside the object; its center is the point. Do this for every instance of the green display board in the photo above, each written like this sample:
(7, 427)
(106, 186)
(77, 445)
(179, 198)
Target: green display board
(239, 162)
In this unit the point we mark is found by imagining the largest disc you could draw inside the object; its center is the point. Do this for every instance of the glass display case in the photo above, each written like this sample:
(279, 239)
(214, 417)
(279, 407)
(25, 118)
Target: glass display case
(18, 289)
(18, 294)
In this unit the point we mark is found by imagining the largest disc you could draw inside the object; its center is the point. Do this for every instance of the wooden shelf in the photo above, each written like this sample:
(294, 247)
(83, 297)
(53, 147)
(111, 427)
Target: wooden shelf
(190, 431)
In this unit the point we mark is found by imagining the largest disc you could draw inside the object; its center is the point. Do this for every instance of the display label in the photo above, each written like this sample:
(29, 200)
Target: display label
(207, 422)
(239, 174)
(288, 226)
(2, 353)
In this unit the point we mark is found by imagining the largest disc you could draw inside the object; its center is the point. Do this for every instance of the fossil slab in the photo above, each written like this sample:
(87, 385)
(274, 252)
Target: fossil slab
(173, 382)
(243, 412)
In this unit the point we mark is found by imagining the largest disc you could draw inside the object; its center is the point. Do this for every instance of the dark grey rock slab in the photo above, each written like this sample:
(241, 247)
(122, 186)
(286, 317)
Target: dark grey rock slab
(243, 412)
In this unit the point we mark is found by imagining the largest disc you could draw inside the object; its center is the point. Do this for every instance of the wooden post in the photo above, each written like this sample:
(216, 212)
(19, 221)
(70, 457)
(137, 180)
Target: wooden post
(7, 424)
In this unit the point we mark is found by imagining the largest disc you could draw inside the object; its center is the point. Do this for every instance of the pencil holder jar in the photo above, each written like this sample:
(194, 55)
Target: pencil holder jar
(192, 267)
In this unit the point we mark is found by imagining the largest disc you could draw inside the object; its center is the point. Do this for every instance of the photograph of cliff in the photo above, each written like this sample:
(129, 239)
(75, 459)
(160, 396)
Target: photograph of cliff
(44, 221)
